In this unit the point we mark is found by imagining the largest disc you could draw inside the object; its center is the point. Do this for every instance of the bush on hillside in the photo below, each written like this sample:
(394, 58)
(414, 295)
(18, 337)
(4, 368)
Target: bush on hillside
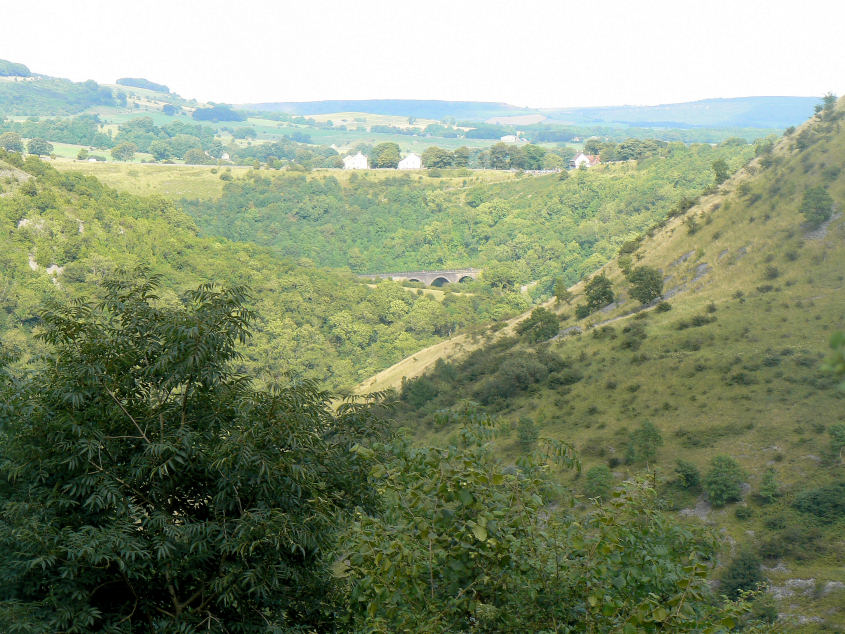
(723, 482)
(543, 324)
(742, 573)
(817, 206)
(826, 503)
(646, 284)
(688, 475)
(598, 482)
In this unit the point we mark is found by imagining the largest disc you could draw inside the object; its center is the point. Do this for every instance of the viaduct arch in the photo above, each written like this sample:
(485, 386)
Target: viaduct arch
(429, 278)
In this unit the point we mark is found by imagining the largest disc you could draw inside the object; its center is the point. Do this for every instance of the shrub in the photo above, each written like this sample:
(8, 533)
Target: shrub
(769, 487)
(599, 482)
(599, 292)
(541, 325)
(826, 502)
(742, 573)
(664, 307)
(723, 483)
(643, 443)
(817, 206)
(582, 311)
(633, 336)
(527, 433)
(771, 272)
(688, 475)
(646, 284)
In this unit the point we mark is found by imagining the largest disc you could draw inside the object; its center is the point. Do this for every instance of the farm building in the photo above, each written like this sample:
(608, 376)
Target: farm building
(411, 162)
(512, 138)
(587, 160)
(357, 162)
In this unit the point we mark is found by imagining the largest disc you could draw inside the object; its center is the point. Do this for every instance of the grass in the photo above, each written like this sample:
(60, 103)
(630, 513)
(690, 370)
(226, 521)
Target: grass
(748, 384)
(199, 181)
(173, 181)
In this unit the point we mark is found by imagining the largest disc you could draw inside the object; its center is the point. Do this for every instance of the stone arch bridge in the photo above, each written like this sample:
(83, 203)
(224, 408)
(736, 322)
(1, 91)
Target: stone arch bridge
(429, 278)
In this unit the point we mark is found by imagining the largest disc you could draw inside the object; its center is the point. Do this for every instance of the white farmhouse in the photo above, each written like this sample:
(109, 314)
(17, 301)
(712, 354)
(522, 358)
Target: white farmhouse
(357, 162)
(411, 162)
(587, 160)
(510, 138)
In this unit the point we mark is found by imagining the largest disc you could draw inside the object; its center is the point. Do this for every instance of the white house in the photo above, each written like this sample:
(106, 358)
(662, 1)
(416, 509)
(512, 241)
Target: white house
(587, 160)
(510, 138)
(411, 162)
(224, 156)
(357, 162)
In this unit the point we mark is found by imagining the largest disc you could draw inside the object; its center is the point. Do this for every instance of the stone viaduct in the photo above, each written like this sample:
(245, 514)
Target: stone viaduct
(429, 278)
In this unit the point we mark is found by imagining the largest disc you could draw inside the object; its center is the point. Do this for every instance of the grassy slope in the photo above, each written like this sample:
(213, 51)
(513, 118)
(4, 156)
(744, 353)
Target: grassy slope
(748, 384)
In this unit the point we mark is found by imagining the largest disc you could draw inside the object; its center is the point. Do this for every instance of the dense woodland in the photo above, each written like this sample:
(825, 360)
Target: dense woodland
(327, 325)
(535, 229)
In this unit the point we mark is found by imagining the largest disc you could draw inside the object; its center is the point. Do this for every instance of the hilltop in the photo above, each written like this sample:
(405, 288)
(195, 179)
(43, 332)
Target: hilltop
(730, 364)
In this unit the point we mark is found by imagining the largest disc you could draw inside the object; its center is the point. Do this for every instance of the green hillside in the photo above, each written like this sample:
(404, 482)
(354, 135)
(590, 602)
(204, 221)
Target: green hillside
(61, 234)
(730, 364)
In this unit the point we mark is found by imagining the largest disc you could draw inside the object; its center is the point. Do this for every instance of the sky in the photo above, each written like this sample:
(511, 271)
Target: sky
(523, 52)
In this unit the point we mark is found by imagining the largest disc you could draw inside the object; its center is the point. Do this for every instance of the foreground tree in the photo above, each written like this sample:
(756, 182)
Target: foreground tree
(146, 486)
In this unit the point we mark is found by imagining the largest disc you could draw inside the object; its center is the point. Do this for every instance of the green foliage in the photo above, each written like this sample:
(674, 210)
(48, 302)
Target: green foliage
(599, 292)
(39, 147)
(827, 502)
(124, 152)
(150, 487)
(540, 326)
(721, 170)
(329, 326)
(688, 475)
(644, 443)
(646, 284)
(81, 130)
(723, 482)
(527, 433)
(11, 142)
(13, 69)
(463, 544)
(542, 228)
(769, 487)
(817, 205)
(385, 155)
(598, 482)
(52, 97)
(836, 362)
(218, 112)
(742, 573)
(562, 292)
(196, 156)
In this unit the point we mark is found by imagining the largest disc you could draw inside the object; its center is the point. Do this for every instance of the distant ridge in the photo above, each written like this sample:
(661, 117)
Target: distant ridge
(741, 112)
(421, 108)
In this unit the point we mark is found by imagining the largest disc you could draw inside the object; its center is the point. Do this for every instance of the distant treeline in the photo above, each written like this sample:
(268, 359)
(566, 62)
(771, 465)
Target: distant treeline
(140, 82)
(81, 130)
(12, 69)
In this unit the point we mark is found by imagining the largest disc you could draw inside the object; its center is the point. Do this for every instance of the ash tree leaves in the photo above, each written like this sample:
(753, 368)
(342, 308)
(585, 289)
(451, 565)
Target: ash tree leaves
(146, 486)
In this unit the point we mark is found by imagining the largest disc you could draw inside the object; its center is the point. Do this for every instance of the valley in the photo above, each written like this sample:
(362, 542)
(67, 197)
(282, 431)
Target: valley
(622, 412)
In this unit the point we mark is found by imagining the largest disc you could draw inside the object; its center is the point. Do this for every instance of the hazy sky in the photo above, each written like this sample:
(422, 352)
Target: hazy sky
(529, 53)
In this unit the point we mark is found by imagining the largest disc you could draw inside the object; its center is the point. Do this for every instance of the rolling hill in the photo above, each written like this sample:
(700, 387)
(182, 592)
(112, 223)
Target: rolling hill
(729, 364)
(752, 112)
